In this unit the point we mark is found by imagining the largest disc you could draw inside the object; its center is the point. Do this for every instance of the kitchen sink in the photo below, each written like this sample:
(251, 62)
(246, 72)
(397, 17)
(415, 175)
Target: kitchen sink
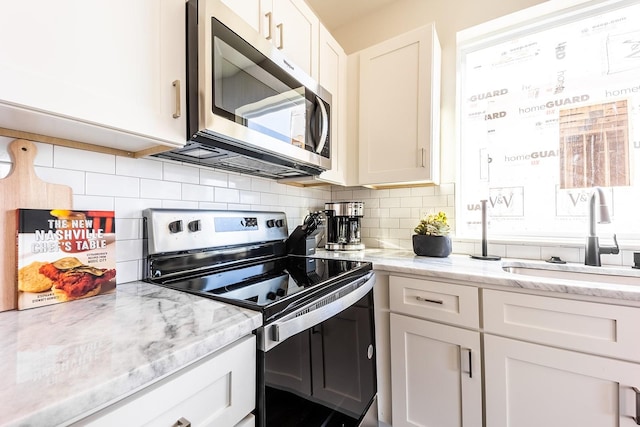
(576, 272)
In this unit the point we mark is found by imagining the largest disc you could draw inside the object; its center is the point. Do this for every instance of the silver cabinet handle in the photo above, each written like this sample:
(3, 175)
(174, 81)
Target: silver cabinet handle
(182, 422)
(269, 17)
(637, 417)
(280, 28)
(432, 301)
(176, 111)
(423, 157)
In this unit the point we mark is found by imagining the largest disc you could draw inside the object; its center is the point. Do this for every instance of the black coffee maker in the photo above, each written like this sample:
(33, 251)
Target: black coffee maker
(343, 226)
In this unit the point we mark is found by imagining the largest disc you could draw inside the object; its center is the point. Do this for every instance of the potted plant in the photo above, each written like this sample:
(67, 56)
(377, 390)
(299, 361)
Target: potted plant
(432, 236)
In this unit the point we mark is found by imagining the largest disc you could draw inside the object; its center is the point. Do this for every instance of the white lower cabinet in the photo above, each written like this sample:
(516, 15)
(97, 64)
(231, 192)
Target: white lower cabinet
(542, 360)
(436, 377)
(559, 362)
(531, 385)
(435, 374)
(218, 391)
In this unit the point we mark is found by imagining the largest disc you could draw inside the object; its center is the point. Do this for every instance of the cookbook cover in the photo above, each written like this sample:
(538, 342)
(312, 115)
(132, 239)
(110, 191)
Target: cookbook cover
(64, 255)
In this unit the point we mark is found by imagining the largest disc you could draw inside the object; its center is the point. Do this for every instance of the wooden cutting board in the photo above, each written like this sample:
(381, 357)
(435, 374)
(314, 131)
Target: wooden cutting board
(22, 189)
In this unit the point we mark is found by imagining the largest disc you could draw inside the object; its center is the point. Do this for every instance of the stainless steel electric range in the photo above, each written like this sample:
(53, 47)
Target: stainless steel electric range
(316, 348)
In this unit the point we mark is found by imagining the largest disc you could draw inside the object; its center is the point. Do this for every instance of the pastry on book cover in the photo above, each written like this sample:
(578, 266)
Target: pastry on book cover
(64, 255)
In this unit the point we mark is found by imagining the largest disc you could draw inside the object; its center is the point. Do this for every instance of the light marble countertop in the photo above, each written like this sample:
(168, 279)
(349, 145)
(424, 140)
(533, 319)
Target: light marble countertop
(463, 268)
(64, 361)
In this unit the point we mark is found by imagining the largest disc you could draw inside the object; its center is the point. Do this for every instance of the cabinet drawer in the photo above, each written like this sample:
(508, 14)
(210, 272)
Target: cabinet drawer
(216, 391)
(595, 328)
(445, 302)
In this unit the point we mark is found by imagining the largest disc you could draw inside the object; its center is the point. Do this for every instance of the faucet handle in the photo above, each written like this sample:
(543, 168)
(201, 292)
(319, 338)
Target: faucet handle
(611, 249)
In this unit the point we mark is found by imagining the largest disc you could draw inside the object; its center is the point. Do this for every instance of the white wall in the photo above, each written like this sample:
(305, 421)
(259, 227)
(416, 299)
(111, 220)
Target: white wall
(128, 186)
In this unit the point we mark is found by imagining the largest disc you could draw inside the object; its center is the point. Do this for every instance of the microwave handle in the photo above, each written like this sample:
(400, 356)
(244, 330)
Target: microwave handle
(325, 126)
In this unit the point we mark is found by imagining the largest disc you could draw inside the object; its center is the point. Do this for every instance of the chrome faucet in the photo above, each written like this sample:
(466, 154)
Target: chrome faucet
(593, 249)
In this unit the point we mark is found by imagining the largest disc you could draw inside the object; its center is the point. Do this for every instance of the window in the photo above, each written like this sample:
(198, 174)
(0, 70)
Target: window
(549, 108)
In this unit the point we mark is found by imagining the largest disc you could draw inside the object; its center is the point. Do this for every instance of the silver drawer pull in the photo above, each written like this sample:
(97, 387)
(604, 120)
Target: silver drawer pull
(432, 301)
(182, 422)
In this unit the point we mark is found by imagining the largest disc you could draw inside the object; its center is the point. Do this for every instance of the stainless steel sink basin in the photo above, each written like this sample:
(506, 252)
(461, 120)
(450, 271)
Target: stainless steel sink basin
(575, 272)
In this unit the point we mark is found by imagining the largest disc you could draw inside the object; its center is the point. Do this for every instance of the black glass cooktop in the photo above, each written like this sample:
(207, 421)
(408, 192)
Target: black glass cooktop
(275, 286)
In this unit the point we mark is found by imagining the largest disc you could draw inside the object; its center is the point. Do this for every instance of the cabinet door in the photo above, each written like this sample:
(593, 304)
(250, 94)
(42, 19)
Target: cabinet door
(217, 391)
(399, 109)
(294, 29)
(116, 64)
(530, 385)
(333, 77)
(248, 10)
(435, 374)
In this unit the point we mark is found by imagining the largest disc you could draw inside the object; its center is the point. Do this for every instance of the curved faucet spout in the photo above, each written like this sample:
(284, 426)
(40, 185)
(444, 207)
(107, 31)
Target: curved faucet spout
(604, 216)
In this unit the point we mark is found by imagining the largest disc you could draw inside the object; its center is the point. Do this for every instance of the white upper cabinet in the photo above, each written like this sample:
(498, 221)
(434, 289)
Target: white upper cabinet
(248, 10)
(106, 72)
(293, 28)
(399, 124)
(333, 77)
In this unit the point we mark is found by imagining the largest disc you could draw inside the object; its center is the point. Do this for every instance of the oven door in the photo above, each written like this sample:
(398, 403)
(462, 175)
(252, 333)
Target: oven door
(323, 374)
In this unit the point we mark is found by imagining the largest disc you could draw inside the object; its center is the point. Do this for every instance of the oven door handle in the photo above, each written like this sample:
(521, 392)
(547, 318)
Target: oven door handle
(317, 312)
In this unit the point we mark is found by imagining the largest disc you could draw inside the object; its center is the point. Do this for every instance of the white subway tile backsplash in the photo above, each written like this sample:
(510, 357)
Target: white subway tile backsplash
(128, 271)
(140, 168)
(70, 178)
(112, 185)
(155, 189)
(226, 195)
(180, 173)
(240, 182)
(89, 161)
(423, 191)
(521, 251)
(128, 250)
(98, 203)
(128, 229)
(391, 202)
(197, 192)
(179, 204)
(132, 208)
(219, 179)
(261, 185)
(250, 197)
(390, 223)
(212, 206)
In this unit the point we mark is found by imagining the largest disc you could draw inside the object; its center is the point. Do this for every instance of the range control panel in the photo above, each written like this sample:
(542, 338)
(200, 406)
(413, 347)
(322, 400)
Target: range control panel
(173, 230)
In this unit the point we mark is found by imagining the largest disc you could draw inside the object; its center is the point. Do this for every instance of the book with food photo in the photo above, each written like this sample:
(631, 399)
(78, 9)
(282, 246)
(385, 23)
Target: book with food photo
(64, 255)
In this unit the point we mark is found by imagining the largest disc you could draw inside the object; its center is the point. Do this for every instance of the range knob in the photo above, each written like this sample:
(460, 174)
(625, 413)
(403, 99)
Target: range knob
(271, 296)
(175, 226)
(280, 292)
(271, 223)
(195, 225)
(279, 223)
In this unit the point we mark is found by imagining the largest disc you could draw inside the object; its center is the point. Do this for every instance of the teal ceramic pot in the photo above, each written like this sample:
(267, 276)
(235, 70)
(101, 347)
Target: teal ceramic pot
(435, 246)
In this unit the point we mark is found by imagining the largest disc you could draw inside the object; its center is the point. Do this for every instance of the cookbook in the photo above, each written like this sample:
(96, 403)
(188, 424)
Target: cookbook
(64, 255)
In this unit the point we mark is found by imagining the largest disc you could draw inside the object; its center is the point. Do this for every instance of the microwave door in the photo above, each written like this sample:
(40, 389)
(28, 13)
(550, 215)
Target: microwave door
(279, 116)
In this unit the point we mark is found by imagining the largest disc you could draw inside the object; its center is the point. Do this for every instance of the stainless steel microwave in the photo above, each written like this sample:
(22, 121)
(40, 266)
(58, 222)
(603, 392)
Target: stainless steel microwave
(250, 109)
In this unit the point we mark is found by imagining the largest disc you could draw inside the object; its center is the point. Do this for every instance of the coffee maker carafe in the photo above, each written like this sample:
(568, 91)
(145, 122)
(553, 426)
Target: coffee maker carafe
(343, 226)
